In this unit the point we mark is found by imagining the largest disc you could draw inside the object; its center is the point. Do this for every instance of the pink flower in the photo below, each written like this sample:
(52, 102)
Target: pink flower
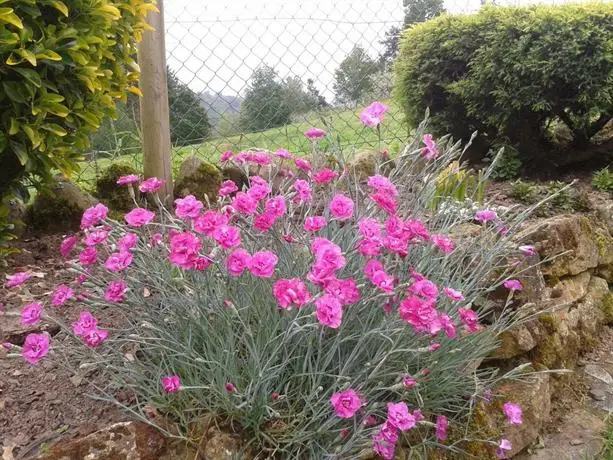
(382, 184)
(448, 325)
(485, 215)
(441, 427)
(328, 256)
(369, 248)
(208, 222)
(346, 403)
(424, 288)
(282, 153)
(201, 263)
(263, 263)
(139, 217)
(314, 133)
(386, 202)
(227, 236)
(383, 281)
(82, 278)
(118, 261)
(454, 295)
(68, 245)
(237, 262)
(398, 416)
(469, 318)
(341, 207)
(94, 337)
(444, 243)
(116, 291)
(264, 222)
(408, 381)
(290, 292)
(303, 189)
(503, 446)
(30, 314)
(420, 314)
(92, 216)
(225, 156)
(156, 239)
(275, 206)
(128, 241)
(244, 203)
(86, 323)
(384, 442)
(527, 250)
(346, 291)
(371, 267)
(373, 115)
(513, 285)
(259, 188)
(416, 230)
(274, 396)
(513, 413)
(184, 249)
(35, 347)
(314, 223)
(129, 179)
(230, 388)
(369, 228)
(303, 165)
(188, 207)
(17, 279)
(430, 151)
(329, 311)
(227, 188)
(96, 237)
(324, 176)
(88, 256)
(171, 383)
(61, 295)
(153, 184)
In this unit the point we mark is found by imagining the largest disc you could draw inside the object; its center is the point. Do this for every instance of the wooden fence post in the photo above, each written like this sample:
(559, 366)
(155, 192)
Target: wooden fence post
(154, 114)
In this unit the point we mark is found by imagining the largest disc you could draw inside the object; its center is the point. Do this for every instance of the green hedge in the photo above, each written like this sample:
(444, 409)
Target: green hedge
(510, 72)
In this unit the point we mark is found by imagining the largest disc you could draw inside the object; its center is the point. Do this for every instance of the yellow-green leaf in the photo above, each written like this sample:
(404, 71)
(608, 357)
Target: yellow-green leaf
(55, 129)
(27, 55)
(110, 9)
(8, 16)
(13, 127)
(60, 6)
(32, 135)
(49, 55)
(135, 90)
(13, 59)
(56, 109)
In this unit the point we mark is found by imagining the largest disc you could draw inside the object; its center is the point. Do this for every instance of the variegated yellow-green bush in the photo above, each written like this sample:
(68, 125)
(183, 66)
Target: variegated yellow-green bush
(63, 65)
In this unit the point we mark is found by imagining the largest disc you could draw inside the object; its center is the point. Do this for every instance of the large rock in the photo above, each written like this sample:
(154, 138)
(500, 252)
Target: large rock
(534, 396)
(199, 178)
(577, 243)
(364, 164)
(121, 441)
(115, 196)
(59, 209)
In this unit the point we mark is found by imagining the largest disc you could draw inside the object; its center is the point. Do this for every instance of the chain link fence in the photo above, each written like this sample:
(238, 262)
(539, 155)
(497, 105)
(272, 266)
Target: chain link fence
(257, 74)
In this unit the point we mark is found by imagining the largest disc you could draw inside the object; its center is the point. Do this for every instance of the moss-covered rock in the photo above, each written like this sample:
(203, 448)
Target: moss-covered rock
(15, 213)
(236, 175)
(60, 208)
(199, 178)
(364, 164)
(115, 196)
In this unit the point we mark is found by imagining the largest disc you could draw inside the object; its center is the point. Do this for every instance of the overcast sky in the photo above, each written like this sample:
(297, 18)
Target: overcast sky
(215, 45)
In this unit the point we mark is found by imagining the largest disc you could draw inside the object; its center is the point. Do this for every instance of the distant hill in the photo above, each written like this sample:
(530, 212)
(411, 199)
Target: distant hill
(217, 105)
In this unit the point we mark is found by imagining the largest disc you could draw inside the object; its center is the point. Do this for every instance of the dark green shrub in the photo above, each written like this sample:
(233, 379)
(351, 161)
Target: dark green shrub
(115, 196)
(511, 72)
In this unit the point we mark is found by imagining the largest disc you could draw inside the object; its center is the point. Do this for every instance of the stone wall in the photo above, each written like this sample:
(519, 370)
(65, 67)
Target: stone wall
(571, 292)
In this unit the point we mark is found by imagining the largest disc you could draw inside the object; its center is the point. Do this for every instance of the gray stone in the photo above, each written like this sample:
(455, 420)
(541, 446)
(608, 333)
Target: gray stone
(599, 373)
(597, 394)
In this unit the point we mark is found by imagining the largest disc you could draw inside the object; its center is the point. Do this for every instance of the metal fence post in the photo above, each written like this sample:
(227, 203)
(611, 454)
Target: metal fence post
(155, 122)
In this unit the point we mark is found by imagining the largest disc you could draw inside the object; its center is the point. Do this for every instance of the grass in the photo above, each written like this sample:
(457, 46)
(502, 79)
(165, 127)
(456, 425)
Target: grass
(343, 126)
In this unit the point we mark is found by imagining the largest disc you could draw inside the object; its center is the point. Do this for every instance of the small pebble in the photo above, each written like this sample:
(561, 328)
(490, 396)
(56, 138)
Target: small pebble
(576, 442)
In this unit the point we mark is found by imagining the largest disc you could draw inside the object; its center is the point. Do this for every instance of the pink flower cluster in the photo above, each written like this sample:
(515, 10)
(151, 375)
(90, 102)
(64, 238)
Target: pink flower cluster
(399, 418)
(87, 328)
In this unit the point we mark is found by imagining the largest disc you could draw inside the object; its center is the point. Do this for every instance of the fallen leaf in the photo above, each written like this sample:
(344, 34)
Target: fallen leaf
(38, 274)
(129, 357)
(146, 292)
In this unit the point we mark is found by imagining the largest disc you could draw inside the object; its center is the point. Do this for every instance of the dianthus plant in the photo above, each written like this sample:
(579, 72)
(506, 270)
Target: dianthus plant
(317, 315)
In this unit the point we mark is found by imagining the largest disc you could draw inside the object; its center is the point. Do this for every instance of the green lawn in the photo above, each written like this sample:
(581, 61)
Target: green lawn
(344, 130)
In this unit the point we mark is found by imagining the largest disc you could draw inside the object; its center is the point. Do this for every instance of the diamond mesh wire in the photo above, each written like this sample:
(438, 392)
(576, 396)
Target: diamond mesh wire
(214, 48)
